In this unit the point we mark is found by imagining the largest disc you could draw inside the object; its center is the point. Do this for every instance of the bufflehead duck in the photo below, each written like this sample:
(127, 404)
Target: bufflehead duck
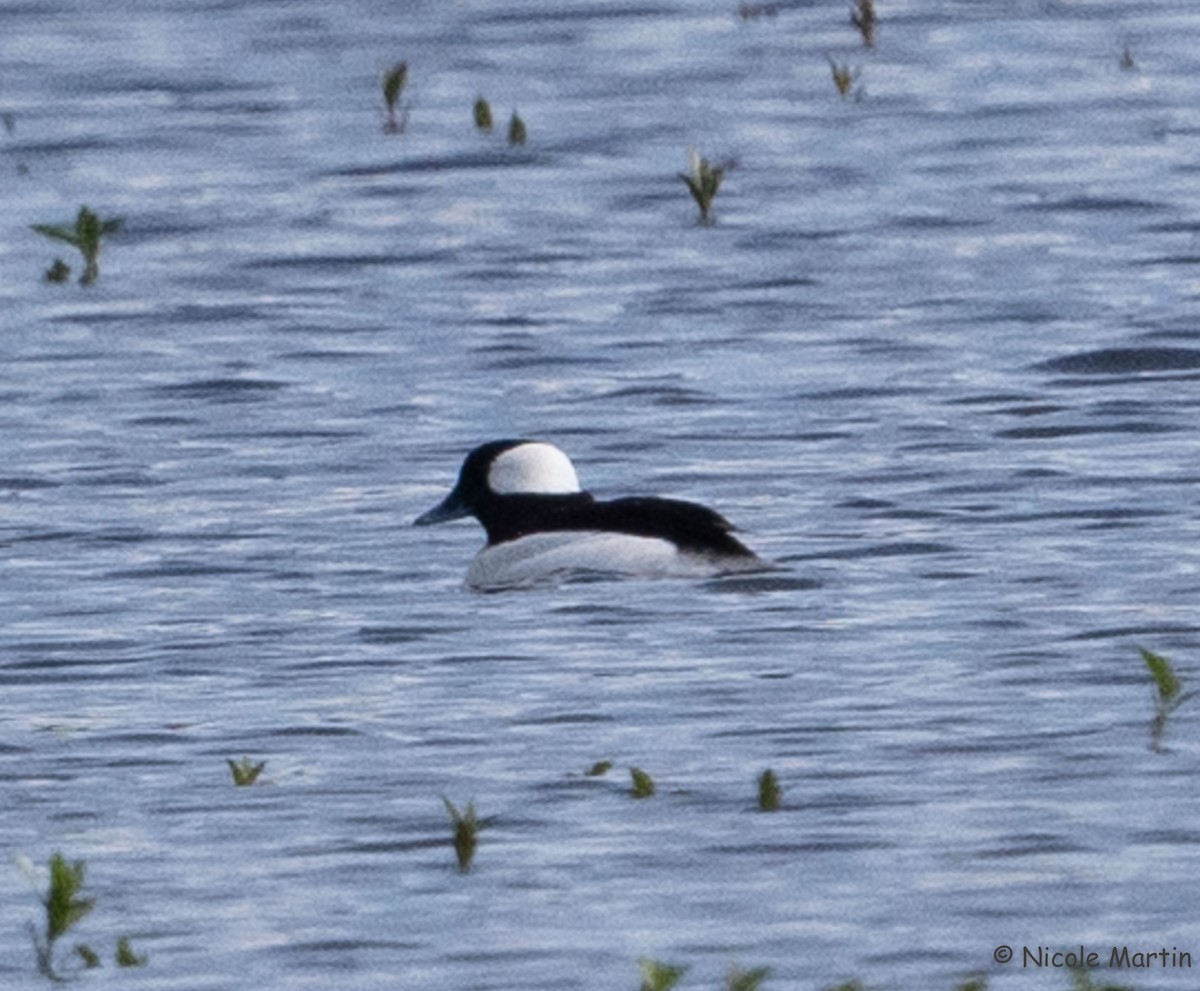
(541, 525)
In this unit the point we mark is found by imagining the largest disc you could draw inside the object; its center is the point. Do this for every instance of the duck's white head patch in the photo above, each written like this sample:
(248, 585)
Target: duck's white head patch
(532, 469)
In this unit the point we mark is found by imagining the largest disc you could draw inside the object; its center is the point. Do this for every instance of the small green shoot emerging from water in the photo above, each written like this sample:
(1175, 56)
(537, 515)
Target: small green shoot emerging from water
(1127, 62)
(85, 235)
(844, 77)
(466, 833)
(245, 771)
(516, 130)
(746, 980)
(643, 784)
(599, 769)
(90, 958)
(703, 181)
(125, 955)
(975, 984)
(64, 908)
(393, 85)
(862, 16)
(770, 795)
(58, 272)
(483, 114)
(1168, 694)
(1081, 980)
(659, 976)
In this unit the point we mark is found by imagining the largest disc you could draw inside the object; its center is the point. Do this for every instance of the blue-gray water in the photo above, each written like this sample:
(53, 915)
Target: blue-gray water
(938, 355)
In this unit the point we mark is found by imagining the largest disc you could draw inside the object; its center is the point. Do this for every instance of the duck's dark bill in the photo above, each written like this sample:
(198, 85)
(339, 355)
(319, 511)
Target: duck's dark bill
(450, 508)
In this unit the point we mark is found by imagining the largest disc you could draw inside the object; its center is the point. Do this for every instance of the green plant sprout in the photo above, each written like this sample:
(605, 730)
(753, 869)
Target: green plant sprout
(703, 181)
(659, 976)
(770, 794)
(844, 77)
(599, 769)
(126, 957)
(643, 784)
(746, 980)
(64, 908)
(483, 114)
(862, 16)
(516, 130)
(58, 272)
(245, 772)
(466, 833)
(393, 85)
(1081, 980)
(1168, 694)
(85, 235)
(1127, 62)
(90, 958)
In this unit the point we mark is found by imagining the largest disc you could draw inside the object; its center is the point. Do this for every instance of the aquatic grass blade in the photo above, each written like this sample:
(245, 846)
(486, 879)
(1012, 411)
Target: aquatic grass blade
(58, 272)
(245, 772)
(1161, 670)
(746, 980)
(394, 81)
(658, 976)
(844, 77)
(56, 232)
(90, 958)
(393, 84)
(643, 784)
(703, 181)
(466, 833)
(863, 17)
(86, 236)
(1081, 980)
(516, 130)
(482, 112)
(125, 955)
(64, 907)
(1168, 694)
(770, 794)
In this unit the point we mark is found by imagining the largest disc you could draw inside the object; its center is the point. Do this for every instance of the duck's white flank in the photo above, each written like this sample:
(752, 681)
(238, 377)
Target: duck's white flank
(544, 557)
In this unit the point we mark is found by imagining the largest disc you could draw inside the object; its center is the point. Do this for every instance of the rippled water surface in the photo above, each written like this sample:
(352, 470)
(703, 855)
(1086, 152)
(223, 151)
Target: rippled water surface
(937, 355)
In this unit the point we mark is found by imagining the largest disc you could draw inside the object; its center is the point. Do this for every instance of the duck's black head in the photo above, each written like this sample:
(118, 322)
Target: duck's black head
(503, 468)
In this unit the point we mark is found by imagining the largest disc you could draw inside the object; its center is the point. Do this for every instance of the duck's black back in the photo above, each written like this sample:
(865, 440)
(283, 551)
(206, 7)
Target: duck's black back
(689, 525)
